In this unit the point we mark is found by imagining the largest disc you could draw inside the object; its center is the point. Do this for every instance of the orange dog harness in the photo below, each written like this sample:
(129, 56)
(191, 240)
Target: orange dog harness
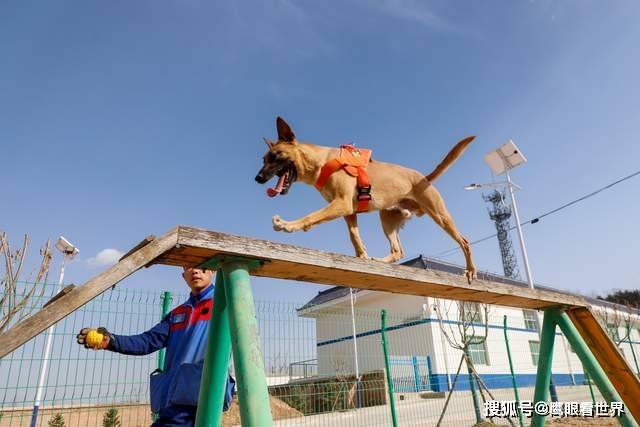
(353, 161)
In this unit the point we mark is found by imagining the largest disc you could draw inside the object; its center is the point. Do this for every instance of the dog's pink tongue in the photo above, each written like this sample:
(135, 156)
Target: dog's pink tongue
(272, 192)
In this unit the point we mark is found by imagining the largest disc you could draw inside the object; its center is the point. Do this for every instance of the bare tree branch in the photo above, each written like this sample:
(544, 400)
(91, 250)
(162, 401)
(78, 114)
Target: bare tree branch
(469, 318)
(14, 303)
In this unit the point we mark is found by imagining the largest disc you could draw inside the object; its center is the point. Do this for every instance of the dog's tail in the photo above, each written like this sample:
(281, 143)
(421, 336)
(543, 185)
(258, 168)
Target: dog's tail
(450, 158)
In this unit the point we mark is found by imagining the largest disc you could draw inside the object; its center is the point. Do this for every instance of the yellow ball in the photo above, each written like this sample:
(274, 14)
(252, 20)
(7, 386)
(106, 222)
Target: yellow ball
(94, 338)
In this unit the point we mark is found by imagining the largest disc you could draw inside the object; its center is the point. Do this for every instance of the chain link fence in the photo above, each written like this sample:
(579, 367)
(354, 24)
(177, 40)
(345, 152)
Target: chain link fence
(318, 375)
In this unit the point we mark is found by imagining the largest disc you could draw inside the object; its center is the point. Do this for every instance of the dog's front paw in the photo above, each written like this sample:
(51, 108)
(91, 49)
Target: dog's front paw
(470, 275)
(278, 223)
(281, 225)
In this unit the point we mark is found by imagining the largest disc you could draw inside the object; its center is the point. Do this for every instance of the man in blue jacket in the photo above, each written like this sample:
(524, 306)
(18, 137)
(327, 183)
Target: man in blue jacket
(174, 391)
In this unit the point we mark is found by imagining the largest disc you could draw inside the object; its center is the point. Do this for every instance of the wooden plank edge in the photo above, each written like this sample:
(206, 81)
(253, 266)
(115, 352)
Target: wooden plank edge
(625, 381)
(81, 295)
(547, 298)
(60, 294)
(150, 238)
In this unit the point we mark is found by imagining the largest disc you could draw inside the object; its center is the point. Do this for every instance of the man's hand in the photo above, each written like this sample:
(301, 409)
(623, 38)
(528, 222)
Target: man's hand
(95, 339)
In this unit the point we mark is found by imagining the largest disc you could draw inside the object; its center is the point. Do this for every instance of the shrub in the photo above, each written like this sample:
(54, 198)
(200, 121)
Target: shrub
(111, 418)
(57, 420)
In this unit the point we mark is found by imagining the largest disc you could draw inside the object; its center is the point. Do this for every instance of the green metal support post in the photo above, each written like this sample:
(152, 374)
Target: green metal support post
(545, 359)
(513, 375)
(392, 403)
(216, 361)
(253, 394)
(587, 358)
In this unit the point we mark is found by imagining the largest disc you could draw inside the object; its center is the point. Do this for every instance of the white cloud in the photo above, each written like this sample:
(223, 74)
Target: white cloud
(105, 257)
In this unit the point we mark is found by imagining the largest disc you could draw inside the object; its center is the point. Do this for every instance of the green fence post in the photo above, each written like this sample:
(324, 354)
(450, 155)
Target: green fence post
(416, 374)
(472, 387)
(216, 361)
(596, 372)
(588, 380)
(431, 379)
(383, 328)
(513, 375)
(633, 353)
(166, 304)
(545, 359)
(253, 394)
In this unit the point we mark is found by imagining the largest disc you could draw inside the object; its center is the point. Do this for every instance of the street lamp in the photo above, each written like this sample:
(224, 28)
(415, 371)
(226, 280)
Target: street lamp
(502, 160)
(69, 252)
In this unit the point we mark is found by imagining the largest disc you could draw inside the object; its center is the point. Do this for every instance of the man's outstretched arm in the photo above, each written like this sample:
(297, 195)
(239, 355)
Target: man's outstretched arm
(144, 343)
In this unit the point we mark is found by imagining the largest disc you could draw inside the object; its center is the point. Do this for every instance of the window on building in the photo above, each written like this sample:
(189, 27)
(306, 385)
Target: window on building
(478, 353)
(534, 347)
(612, 328)
(530, 320)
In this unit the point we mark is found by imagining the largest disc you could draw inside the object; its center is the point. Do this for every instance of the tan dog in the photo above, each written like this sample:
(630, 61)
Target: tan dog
(397, 192)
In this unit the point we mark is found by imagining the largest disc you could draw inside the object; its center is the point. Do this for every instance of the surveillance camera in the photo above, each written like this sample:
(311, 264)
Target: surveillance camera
(64, 246)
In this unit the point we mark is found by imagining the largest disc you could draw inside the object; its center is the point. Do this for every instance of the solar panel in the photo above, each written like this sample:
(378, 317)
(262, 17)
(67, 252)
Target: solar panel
(505, 157)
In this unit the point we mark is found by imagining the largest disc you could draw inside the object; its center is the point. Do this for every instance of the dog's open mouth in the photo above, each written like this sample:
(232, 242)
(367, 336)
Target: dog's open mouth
(286, 177)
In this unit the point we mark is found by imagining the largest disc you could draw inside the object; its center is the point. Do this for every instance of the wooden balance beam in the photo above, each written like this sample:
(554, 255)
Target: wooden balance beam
(188, 246)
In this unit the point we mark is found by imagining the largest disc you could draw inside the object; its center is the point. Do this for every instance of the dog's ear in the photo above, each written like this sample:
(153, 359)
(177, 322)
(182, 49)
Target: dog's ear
(285, 133)
(268, 142)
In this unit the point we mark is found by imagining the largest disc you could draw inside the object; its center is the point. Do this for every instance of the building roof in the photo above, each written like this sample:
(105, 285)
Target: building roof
(427, 263)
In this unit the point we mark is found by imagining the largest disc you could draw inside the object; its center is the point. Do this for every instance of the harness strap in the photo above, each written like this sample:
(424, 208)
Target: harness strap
(329, 168)
(358, 170)
(364, 190)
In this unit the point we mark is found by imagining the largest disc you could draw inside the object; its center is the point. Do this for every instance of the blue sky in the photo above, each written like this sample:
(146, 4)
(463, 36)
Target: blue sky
(122, 119)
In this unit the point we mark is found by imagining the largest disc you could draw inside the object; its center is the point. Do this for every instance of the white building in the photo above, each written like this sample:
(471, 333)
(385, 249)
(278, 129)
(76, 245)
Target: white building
(420, 354)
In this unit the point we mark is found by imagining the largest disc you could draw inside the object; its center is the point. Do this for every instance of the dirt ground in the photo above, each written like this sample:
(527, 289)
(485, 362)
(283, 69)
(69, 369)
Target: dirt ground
(581, 422)
(584, 422)
(130, 415)
(279, 411)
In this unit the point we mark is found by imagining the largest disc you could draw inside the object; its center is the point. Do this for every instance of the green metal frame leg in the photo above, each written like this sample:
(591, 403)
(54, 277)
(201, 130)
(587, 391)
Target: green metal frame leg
(545, 359)
(253, 394)
(596, 372)
(216, 361)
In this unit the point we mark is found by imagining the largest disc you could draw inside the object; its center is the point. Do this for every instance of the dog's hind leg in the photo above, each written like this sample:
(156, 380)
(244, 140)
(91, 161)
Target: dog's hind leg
(354, 234)
(392, 221)
(442, 217)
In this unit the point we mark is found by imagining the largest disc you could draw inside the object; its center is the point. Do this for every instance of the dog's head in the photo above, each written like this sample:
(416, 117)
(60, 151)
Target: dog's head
(280, 160)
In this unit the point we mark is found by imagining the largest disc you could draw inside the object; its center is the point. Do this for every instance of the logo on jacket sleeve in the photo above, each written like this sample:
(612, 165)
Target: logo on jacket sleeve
(179, 318)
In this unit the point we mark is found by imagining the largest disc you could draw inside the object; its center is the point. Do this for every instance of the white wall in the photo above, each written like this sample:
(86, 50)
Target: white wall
(426, 339)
